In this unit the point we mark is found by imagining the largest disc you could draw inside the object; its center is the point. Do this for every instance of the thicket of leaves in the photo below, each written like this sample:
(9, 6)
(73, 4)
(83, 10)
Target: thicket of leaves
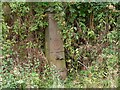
(94, 48)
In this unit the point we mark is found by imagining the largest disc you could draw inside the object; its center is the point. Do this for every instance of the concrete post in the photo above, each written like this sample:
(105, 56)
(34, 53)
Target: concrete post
(54, 47)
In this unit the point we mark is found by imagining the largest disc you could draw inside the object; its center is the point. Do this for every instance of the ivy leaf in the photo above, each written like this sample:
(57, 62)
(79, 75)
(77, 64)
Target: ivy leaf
(91, 33)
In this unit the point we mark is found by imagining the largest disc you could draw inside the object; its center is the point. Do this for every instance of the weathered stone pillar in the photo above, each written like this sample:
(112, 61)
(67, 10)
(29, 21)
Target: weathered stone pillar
(54, 47)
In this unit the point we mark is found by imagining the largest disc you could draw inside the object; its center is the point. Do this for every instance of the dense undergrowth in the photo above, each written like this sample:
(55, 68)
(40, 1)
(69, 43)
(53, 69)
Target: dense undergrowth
(91, 47)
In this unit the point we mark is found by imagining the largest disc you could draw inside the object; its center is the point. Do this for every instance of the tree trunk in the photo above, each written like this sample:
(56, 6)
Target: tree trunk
(91, 22)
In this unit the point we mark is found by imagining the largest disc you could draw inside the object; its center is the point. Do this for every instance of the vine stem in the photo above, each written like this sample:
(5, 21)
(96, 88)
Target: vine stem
(83, 65)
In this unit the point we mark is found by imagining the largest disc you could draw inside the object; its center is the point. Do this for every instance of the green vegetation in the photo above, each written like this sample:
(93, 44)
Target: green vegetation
(90, 31)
